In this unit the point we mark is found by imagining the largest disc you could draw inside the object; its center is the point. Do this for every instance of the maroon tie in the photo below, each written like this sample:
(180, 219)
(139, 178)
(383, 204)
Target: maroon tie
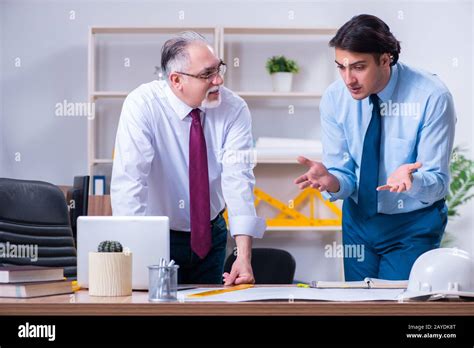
(200, 202)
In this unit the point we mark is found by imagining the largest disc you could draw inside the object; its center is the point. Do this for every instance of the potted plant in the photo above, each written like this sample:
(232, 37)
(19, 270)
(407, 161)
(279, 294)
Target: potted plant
(281, 69)
(462, 181)
(110, 270)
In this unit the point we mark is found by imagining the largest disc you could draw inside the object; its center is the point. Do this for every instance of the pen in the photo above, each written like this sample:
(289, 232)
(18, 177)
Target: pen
(161, 274)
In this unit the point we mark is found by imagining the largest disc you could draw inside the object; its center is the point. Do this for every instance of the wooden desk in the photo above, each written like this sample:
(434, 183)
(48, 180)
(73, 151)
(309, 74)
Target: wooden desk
(81, 303)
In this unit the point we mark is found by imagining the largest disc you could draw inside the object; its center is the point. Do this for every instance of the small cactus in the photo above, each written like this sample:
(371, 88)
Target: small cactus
(110, 246)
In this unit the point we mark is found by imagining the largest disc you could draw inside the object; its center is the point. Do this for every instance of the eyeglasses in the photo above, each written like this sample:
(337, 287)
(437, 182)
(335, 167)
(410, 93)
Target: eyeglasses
(209, 76)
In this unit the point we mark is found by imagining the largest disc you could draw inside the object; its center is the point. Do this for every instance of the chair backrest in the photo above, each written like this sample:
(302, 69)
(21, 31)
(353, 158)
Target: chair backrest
(78, 200)
(270, 266)
(34, 218)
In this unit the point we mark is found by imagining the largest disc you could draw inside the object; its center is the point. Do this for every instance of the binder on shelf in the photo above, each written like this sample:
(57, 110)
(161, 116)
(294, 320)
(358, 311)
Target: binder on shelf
(98, 185)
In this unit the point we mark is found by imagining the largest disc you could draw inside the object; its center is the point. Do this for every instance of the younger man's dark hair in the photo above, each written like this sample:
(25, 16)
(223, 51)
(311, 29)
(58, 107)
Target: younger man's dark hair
(367, 34)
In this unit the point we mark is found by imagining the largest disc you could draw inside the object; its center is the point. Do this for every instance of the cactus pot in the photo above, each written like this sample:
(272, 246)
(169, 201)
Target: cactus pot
(110, 274)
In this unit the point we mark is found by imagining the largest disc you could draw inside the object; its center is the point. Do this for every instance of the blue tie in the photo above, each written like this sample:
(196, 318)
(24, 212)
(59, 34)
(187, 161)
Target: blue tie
(369, 167)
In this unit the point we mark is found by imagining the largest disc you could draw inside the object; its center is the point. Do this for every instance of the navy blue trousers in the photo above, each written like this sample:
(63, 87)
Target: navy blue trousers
(193, 270)
(390, 243)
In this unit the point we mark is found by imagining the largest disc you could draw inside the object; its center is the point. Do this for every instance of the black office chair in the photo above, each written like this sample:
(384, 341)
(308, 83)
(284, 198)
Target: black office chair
(78, 200)
(270, 266)
(34, 213)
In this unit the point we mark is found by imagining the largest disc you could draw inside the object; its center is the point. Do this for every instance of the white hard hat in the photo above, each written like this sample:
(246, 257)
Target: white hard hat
(442, 272)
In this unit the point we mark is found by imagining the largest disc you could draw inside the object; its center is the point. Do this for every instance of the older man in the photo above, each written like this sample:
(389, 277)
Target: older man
(170, 159)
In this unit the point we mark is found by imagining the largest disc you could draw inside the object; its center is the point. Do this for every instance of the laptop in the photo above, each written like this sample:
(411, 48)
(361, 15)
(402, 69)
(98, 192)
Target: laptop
(147, 238)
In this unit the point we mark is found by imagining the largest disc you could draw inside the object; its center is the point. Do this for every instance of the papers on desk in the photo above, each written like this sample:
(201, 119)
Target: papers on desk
(293, 293)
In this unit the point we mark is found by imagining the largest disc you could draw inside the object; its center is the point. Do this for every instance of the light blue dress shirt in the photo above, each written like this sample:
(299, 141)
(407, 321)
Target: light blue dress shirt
(418, 121)
(150, 170)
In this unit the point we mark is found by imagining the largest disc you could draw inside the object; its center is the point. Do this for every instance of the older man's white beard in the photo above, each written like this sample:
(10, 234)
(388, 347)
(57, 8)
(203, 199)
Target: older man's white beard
(211, 104)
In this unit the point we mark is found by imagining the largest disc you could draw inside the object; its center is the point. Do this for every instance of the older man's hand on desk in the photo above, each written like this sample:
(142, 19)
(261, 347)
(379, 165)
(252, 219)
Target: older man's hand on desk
(241, 272)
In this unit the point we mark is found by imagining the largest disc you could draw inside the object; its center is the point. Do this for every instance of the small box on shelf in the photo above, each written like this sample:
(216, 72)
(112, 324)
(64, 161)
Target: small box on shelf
(98, 185)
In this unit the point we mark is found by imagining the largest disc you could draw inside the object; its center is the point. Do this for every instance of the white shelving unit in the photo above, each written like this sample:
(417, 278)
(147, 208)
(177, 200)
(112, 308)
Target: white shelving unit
(219, 42)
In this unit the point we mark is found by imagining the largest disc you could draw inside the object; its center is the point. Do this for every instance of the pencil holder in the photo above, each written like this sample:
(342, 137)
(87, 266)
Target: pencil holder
(163, 283)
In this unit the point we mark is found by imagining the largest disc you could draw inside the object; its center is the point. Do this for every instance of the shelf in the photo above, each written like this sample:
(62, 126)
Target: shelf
(304, 228)
(102, 160)
(146, 30)
(261, 160)
(283, 160)
(276, 161)
(111, 94)
(270, 94)
(280, 31)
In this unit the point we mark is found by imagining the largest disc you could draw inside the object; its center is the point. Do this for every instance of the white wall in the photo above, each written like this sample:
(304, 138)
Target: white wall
(53, 53)
(2, 144)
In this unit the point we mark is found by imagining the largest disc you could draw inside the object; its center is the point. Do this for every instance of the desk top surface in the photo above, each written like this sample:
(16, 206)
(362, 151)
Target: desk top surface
(80, 303)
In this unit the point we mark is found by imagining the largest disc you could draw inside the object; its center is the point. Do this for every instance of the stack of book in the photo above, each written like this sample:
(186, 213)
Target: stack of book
(33, 281)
